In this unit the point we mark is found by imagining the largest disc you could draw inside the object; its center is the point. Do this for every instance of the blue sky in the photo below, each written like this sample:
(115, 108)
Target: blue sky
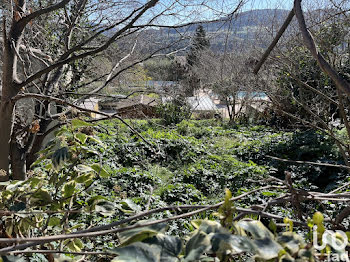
(212, 9)
(268, 4)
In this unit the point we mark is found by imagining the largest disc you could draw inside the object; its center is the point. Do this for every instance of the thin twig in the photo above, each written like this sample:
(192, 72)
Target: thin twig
(103, 230)
(340, 188)
(59, 252)
(307, 162)
(149, 199)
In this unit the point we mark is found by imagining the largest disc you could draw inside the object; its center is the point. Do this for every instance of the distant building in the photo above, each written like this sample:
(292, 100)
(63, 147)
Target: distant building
(91, 104)
(139, 107)
(169, 87)
(202, 106)
(255, 96)
(201, 103)
(247, 103)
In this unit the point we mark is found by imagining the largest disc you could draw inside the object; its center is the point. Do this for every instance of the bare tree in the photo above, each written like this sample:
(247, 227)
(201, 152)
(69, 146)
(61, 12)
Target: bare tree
(228, 77)
(312, 86)
(47, 47)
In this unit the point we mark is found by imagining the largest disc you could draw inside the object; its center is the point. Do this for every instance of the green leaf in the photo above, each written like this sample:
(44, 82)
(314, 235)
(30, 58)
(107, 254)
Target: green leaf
(137, 252)
(98, 197)
(74, 245)
(105, 208)
(128, 206)
(268, 193)
(39, 160)
(256, 228)
(42, 196)
(170, 246)
(208, 226)
(141, 233)
(197, 223)
(273, 226)
(291, 240)
(77, 123)
(59, 156)
(90, 150)
(79, 243)
(14, 185)
(81, 137)
(49, 167)
(267, 248)
(34, 181)
(83, 178)
(196, 246)
(69, 188)
(100, 170)
(76, 226)
(82, 168)
(98, 141)
(54, 221)
(223, 243)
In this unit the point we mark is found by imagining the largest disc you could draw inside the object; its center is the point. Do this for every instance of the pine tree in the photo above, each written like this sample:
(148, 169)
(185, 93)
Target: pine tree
(200, 43)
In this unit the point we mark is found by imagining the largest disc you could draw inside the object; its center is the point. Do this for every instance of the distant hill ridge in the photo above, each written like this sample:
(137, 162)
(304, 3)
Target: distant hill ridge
(257, 17)
(240, 29)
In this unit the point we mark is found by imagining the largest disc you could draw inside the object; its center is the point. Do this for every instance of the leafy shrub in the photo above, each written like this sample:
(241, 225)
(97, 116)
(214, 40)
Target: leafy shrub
(96, 169)
(215, 173)
(173, 112)
(211, 240)
(175, 148)
(180, 192)
(188, 128)
(132, 182)
(226, 241)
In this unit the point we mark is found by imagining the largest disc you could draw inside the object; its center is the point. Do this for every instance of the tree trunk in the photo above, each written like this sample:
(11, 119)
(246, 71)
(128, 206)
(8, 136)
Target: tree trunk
(37, 143)
(18, 161)
(6, 109)
(10, 88)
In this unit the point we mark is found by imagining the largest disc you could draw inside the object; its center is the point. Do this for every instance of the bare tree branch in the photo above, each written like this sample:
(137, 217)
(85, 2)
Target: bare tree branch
(26, 19)
(64, 102)
(308, 162)
(103, 47)
(106, 229)
(275, 41)
(340, 82)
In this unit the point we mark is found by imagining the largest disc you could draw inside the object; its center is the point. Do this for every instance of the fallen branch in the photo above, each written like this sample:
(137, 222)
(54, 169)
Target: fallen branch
(308, 162)
(81, 253)
(107, 229)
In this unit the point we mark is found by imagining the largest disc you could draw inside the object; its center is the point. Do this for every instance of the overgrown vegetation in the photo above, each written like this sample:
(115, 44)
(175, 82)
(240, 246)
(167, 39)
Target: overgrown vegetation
(94, 175)
(173, 112)
(173, 189)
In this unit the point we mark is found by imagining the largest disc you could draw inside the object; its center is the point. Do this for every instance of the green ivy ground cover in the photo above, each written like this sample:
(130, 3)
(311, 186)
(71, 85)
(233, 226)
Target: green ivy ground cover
(106, 172)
